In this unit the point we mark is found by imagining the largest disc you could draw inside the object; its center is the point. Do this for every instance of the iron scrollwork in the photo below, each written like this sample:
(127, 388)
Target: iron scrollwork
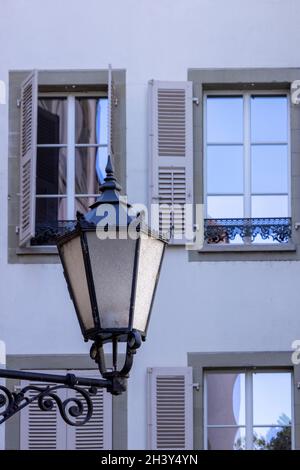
(74, 411)
(225, 230)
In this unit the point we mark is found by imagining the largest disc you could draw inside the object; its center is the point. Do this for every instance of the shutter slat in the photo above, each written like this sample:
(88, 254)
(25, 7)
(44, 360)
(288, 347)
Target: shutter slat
(171, 154)
(28, 140)
(170, 408)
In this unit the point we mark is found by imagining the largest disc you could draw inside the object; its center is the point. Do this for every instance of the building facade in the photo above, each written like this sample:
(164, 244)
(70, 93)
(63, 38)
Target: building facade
(202, 113)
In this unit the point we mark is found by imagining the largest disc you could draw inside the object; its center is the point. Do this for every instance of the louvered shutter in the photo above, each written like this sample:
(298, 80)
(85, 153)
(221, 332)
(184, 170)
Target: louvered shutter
(111, 113)
(96, 434)
(42, 430)
(170, 408)
(171, 155)
(28, 141)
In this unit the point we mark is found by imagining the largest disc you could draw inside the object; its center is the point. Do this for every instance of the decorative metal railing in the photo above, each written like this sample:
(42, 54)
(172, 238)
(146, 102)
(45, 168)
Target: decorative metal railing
(277, 230)
(46, 233)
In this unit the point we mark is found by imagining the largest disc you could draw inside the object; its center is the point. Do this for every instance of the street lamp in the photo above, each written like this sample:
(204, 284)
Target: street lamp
(111, 263)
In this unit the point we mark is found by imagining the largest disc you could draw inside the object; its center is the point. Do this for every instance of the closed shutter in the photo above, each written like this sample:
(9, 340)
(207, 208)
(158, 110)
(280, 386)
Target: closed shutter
(171, 155)
(96, 434)
(28, 141)
(41, 430)
(46, 430)
(170, 410)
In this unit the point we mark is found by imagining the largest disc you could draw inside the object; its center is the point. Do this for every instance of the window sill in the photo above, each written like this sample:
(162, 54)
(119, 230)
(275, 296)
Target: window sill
(37, 250)
(248, 248)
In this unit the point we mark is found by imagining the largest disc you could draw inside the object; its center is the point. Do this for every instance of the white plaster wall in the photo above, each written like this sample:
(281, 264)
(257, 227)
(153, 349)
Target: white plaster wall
(225, 306)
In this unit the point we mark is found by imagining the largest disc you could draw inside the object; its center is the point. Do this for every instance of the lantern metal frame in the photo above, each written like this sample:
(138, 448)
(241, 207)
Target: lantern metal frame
(74, 411)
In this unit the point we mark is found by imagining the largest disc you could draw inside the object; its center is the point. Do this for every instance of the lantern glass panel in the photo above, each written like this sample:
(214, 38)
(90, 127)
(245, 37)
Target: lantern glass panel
(151, 251)
(112, 263)
(71, 253)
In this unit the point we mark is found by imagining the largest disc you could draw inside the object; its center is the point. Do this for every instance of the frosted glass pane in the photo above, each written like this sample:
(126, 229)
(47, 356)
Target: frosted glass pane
(224, 119)
(219, 207)
(269, 169)
(73, 259)
(225, 169)
(151, 251)
(272, 398)
(226, 438)
(112, 266)
(225, 399)
(269, 118)
(269, 206)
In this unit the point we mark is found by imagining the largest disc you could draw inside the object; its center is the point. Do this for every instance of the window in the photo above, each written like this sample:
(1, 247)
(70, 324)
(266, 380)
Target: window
(247, 167)
(72, 141)
(248, 410)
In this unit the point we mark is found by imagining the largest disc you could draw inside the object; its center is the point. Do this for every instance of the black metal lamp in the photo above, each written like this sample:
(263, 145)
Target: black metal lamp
(111, 263)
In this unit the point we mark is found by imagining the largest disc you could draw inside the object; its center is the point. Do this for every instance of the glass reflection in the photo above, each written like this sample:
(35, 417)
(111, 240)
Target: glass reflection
(82, 204)
(86, 175)
(272, 398)
(269, 168)
(226, 438)
(222, 207)
(51, 170)
(225, 399)
(269, 118)
(50, 210)
(224, 119)
(91, 121)
(272, 438)
(225, 169)
(52, 121)
(269, 206)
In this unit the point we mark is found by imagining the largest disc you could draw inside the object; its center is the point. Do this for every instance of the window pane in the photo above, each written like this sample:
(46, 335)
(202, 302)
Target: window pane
(269, 118)
(87, 170)
(269, 206)
(273, 438)
(50, 210)
(51, 170)
(219, 207)
(82, 204)
(225, 119)
(226, 439)
(91, 121)
(225, 169)
(269, 169)
(225, 398)
(52, 121)
(272, 398)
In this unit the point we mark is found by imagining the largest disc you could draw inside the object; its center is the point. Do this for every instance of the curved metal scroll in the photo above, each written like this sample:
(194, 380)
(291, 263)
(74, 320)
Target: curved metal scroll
(72, 410)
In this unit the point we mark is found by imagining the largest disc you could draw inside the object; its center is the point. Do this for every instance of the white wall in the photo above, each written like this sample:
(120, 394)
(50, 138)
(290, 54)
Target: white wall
(225, 306)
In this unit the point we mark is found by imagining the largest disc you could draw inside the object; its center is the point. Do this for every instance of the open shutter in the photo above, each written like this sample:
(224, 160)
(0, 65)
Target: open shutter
(41, 430)
(28, 141)
(170, 408)
(96, 434)
(171, 155)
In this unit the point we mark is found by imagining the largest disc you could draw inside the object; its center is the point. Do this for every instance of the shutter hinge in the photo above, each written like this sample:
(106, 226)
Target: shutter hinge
(19, 102)
(196, 386)
(116, 101)
(196, 100)
(17, 229)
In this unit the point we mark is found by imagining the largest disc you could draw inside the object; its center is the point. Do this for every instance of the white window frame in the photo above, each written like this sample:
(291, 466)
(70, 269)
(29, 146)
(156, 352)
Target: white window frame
(70, 147)
(249, 425)
(246, 146)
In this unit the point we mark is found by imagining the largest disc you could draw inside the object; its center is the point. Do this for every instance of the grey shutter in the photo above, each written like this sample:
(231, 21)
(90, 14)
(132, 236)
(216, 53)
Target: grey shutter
(170, 408)
(41, 430)
(171, 154)
(96, 434)
(28, 141)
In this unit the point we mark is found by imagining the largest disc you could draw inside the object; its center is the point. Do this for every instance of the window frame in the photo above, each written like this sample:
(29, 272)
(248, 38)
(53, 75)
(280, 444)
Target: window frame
(249, 425)
(246, 94)
(70, 147)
